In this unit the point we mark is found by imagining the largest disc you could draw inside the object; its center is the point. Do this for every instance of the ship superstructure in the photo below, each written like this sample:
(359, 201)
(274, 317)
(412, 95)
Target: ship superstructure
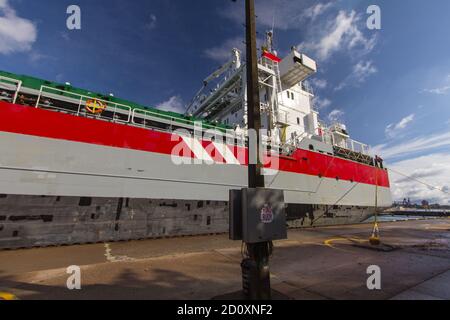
(287, 104)
(77, 166)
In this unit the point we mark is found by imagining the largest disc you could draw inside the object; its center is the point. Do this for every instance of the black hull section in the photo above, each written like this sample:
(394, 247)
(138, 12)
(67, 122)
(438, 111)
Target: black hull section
(40, 221)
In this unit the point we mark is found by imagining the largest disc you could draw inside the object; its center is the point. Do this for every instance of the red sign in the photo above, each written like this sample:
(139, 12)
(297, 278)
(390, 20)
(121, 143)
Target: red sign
(271, 56)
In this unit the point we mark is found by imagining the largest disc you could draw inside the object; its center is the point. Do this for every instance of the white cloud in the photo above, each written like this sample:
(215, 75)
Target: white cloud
(397, 149)
(363, 70)
(442, 90)
(321, 103)
(439, 91)
(360, 72)
(419, 168)
(315, 11)
(65, 35)
(336, 115)
(222, 53)
(283, 14)
(405, 121)
(16, 34)
(151, 24)
(36, 56)
(393, 129)
(318, 83)
(174, 104)
(342, 33)
(423, 172)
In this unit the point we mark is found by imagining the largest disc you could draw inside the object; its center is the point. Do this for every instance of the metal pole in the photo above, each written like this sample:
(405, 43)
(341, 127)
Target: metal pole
(259, 252)
(256, 180)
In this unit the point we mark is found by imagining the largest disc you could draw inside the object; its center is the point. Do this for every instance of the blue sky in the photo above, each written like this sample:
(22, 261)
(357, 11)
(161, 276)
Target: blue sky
(390, 86)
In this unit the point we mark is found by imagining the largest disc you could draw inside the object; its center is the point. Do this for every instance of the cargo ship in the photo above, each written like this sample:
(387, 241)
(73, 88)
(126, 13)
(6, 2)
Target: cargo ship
(82, 167)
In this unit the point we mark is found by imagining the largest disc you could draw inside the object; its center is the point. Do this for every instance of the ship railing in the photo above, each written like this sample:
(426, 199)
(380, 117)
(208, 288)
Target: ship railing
(75, 103)
(146, 118)
(11, 85)
(349, 144)
(354, 146)
(306, 87)
(357, 146)
(152, 120)
(282, 118)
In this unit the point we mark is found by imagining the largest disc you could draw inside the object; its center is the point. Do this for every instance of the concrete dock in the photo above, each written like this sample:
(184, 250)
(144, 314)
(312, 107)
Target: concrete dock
(322, 263)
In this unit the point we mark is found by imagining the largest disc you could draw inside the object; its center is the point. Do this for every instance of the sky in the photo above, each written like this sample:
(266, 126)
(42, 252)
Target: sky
(390, 86)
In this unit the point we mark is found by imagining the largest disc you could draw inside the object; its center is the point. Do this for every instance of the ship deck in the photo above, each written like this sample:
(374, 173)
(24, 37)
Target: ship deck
(322, 263)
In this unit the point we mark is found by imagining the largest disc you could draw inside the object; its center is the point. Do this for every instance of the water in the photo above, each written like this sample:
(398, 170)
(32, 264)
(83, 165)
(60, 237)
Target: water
(398, 218)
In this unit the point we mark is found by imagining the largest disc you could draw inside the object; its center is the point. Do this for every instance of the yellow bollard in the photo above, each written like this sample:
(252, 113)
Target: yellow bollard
(375, 238)
(375, 241)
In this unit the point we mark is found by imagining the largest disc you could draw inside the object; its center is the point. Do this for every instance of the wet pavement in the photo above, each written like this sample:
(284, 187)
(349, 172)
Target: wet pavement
(322, 263)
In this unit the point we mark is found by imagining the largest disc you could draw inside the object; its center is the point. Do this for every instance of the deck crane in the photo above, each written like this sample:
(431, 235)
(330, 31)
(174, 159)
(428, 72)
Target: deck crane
(232, 67)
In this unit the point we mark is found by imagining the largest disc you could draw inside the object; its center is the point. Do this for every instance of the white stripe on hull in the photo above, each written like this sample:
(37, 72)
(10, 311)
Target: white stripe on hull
(32, 165)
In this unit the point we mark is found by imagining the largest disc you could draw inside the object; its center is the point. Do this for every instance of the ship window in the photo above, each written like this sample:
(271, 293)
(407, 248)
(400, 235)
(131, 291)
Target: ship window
(292, 96)
(298, 121)
(289, 94)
